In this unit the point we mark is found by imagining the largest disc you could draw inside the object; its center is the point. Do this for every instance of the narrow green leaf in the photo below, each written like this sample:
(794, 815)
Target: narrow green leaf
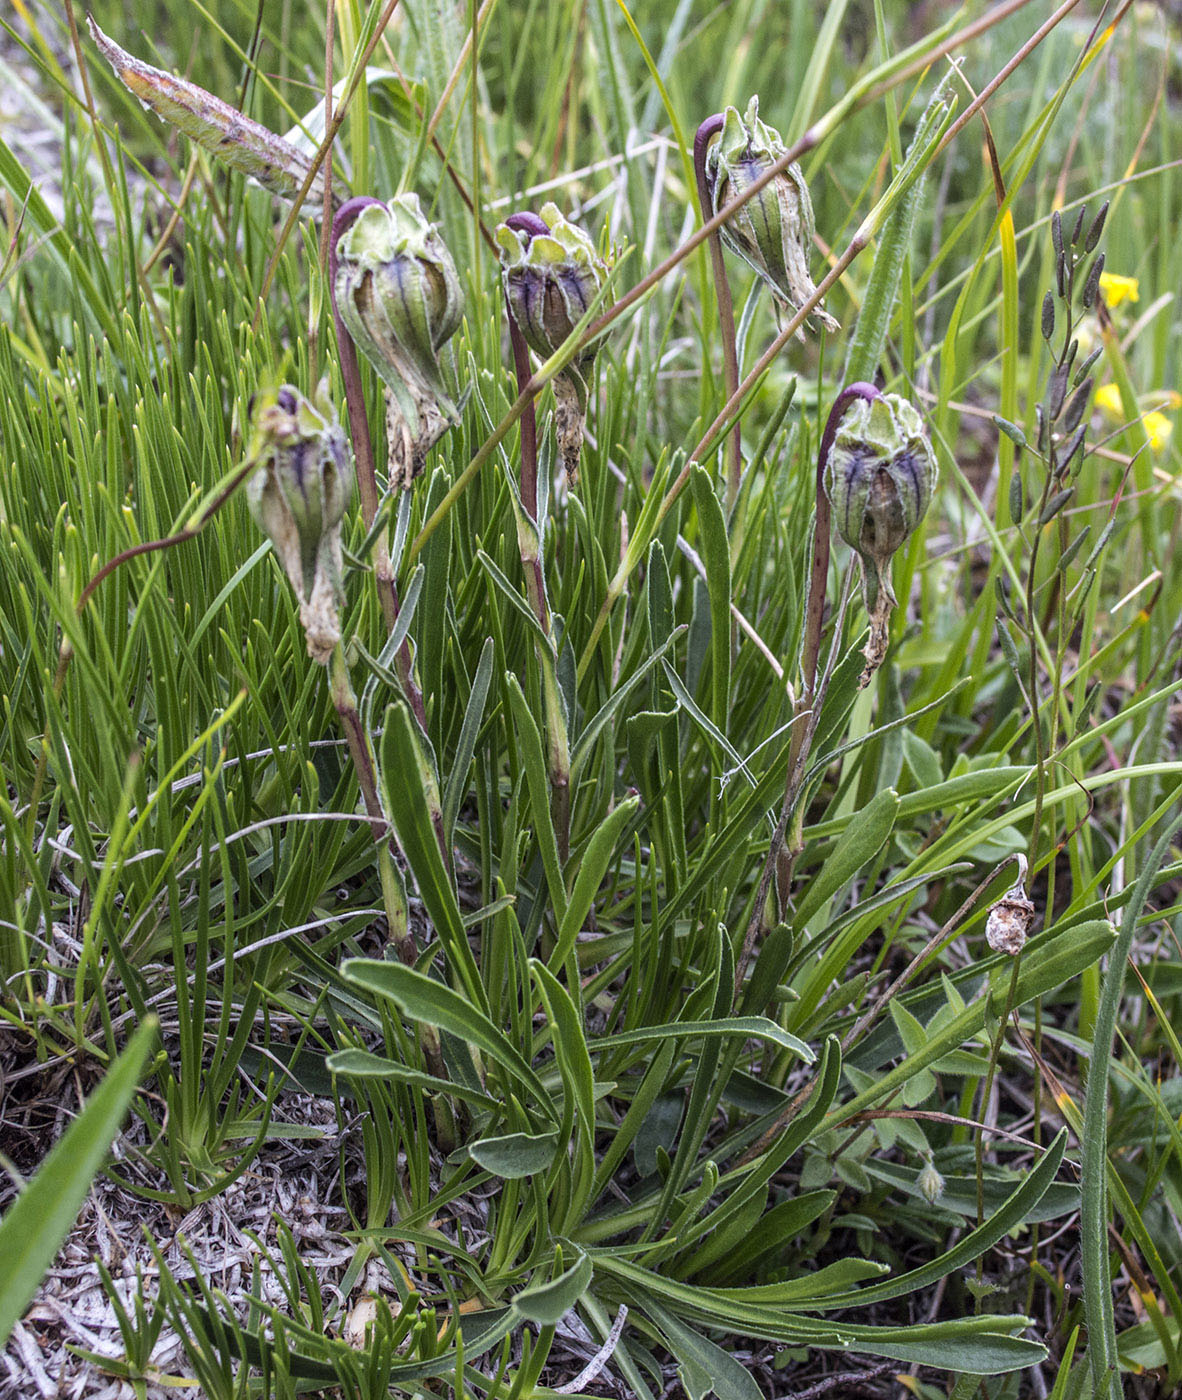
(457, 782)
(704, 1368)
(36, 1223)
(533, 757)
(868, 831)
(404, 776)
(1098, 1306)
(424, 999)
(363, 1064)
(592, 866)
(1047, 962)
(1014, 1211)
(717, 558)
(548, 1303)
(734, 1028)
(578, 1082)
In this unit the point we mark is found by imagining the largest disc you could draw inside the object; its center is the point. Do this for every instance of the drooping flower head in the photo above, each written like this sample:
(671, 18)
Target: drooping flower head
(398, 293)
(879, 476)
(773, 230)
(551, 274)
(298, 496)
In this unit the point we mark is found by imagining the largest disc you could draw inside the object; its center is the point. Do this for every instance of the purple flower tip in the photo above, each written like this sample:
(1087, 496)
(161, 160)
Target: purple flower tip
(531, 224)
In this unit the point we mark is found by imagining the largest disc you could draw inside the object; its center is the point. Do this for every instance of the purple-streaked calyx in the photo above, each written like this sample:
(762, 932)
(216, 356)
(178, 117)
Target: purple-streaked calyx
(879, 472)
(552, 274)
(298, 495)
(773, 231)
(398, 293)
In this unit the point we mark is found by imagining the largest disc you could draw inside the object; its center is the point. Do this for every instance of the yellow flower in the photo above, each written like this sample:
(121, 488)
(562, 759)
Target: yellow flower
(1158, 429)
(1116, 289)
(1108, 400)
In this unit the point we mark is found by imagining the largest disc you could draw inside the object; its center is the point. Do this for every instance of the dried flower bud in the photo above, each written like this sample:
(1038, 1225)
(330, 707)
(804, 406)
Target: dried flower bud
(298, 496)
(879, 477)
(552, 273)
(398, 293)
(930, 1182)
(1008, 924)
(773, 230)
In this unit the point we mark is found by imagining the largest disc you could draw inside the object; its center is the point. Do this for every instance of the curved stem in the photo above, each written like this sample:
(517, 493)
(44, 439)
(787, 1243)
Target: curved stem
(532, 225)
(530, 544)
(806, 712)
(726, 307)
(367, 486)
(815, 607)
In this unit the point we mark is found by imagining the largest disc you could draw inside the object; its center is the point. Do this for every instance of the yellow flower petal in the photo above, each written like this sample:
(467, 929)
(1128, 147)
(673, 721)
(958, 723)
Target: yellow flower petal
(1108, 400)
(1158, 429)
(1116, 289)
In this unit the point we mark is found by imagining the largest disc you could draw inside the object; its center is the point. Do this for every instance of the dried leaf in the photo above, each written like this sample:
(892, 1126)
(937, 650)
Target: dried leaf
(242, 144)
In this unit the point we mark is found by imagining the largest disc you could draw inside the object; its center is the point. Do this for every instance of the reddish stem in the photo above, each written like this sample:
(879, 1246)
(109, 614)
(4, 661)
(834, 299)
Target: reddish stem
(531, 225)
(345, 217)
(367, 486)
(820, 570)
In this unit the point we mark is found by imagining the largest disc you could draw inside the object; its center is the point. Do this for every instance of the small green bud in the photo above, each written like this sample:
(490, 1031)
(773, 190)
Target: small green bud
(930, 1182)
(298, 496)
(773, 230)
(399, 296)
(879, 476)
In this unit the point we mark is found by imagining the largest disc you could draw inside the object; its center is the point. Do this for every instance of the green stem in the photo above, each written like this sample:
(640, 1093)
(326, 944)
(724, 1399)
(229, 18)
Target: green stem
(726, 307)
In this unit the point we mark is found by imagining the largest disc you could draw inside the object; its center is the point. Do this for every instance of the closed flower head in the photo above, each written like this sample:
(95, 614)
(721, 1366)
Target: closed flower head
(552, 274)
(773, 230)
(298, 496)
(399, 296)
(879, 477)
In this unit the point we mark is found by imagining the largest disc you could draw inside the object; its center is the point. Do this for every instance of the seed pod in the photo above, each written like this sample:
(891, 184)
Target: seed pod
(1092, 286)
(551, 274)
(1009, 920)
(1079, 221)
(1048, 316)
(398, 293)
(298, 496)
(773, 230)
(1096, 229)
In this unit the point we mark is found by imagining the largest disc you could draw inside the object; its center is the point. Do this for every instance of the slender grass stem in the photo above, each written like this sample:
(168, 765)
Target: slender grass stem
(726, 308)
